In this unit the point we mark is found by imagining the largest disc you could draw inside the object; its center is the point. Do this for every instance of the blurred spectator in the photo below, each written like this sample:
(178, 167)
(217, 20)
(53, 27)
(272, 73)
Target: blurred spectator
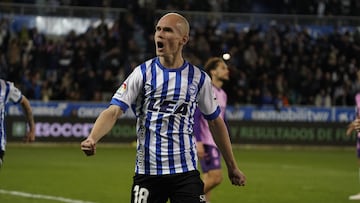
(270, 64)
(323, 99)
(315, 7)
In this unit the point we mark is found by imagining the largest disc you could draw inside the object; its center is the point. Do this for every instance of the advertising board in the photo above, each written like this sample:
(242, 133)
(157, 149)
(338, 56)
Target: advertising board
(70, 121)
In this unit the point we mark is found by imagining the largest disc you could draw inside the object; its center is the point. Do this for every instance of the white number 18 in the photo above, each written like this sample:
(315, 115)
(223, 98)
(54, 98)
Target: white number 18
(140, 194)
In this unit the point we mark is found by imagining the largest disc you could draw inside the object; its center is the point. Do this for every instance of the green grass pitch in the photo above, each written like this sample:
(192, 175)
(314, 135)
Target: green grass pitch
(275, 174)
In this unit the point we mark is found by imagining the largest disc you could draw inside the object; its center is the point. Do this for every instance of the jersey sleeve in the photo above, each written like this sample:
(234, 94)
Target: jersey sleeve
(14, 93)
(127, 93)
(207, 101)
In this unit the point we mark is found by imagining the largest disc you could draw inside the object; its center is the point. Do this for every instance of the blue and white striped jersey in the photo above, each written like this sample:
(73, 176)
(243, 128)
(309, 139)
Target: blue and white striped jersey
(8, 93)
(164, 101)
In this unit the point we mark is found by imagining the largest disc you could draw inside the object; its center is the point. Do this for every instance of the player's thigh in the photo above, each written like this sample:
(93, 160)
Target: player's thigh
(214, 175)
(189, 188)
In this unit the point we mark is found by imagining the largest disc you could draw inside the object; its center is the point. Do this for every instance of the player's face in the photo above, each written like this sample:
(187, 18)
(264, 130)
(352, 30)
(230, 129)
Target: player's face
(169, 37)
(221, 72)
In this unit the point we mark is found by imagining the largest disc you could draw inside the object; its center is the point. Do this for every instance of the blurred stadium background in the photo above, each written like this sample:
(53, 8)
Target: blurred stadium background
(294, 74)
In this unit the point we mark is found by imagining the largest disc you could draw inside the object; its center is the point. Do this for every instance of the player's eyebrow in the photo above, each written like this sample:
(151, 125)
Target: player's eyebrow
(166, 29)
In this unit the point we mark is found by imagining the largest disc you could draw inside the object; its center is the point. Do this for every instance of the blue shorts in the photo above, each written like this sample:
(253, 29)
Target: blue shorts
(212, 159)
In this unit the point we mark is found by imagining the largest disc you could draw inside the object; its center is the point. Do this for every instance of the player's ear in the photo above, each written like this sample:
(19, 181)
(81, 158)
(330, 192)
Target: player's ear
(185, 39)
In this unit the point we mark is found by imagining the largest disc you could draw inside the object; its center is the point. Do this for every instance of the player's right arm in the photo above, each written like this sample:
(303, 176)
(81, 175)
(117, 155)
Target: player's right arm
(102, 126)
(120, 102)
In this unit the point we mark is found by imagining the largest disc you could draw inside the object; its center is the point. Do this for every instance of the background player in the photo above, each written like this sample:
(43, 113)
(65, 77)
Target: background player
(208, 152)
(353, 126)
(9, 93)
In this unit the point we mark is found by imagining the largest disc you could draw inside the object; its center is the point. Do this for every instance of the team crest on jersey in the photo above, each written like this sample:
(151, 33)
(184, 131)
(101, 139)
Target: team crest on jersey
(122, 89)
(192, 89)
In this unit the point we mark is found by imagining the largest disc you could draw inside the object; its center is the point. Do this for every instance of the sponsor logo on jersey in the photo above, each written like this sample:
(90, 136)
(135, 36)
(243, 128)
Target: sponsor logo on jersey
(122, 89)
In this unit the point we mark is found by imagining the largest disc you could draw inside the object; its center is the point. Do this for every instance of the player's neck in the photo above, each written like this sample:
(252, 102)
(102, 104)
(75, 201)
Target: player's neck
(217, 83)
(171, 61)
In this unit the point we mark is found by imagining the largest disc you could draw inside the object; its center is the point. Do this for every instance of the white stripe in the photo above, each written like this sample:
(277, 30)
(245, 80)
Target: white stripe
(39, 196)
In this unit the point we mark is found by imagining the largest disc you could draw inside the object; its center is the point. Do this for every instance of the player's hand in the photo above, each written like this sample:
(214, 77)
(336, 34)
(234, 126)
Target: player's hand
(200, 150)
(237, 177)
(356, 124)
(29, 136)
(88, 146)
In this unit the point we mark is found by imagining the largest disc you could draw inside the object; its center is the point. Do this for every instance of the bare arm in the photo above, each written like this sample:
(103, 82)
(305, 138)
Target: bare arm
(222, 140)
(350, 128)
(25, 104)
(353, 126)
(102, 126)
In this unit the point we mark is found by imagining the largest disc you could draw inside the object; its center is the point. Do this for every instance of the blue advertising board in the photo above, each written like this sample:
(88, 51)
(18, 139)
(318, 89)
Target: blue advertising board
(244, 113)
(291, 114)
(73, 121)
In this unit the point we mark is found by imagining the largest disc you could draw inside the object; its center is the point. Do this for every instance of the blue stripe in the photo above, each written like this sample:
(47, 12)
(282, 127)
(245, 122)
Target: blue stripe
(122, 104)
(147, 122)
(165, 85)
(213, 115)
(147, 144)
(182, 146)
(192, 109)
(158, 144)
(177, 85)
(7, 90)
(171, 144)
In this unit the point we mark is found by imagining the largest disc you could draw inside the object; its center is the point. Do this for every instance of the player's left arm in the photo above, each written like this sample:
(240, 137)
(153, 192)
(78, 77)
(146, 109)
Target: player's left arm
(221, 137)
(350, 128)
(25, 104)
(353, 126)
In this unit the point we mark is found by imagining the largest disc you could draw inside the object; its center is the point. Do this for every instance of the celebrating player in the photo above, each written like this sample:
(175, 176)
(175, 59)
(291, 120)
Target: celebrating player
(164, 93)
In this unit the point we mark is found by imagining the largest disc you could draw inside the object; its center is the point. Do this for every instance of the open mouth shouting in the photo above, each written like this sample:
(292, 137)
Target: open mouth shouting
(160, 46)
